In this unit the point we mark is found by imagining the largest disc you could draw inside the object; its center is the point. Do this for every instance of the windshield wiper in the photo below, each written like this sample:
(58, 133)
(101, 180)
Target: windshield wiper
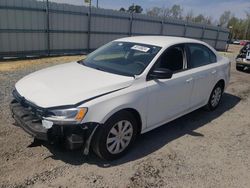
(81, 62)
(104, 70)
(97, 68)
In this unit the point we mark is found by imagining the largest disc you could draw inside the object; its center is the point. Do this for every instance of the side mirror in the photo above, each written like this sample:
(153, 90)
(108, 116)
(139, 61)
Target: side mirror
(161, 73)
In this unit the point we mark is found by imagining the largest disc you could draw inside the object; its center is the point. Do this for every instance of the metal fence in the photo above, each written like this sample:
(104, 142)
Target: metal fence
(39, 28)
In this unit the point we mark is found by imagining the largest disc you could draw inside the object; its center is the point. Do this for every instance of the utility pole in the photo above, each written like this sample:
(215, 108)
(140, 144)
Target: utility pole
(89, 24)
(48, 27)
(247, 30)
(229, 37)
(248, 25)
(97, 3)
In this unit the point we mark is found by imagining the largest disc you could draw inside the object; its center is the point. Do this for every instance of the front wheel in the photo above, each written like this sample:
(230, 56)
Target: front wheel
(215, 97)
(115, 137)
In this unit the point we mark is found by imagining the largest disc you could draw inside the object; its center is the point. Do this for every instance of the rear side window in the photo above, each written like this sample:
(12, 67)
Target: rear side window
(200, 55)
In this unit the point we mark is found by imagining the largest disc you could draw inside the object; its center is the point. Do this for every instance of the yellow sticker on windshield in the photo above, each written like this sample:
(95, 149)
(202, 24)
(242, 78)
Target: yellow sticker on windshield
(140, 48)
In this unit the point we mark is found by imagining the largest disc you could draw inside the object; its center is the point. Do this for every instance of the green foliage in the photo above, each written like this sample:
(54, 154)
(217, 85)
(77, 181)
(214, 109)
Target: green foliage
(132, 9)
(224, 18)
(135, 9)
(155, 11)
(240, 28)
(176, 12)
(122, 9)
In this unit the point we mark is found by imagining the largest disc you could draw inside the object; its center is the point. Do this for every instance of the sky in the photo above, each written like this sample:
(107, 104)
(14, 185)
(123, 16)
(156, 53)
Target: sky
(212, 8)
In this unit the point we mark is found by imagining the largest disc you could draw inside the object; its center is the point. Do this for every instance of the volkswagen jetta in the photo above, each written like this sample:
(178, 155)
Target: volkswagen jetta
(125, 88)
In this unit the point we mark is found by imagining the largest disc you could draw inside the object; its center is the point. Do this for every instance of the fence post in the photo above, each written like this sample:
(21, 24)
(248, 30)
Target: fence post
(89, 28)
(185, 30)
(162, 26)
(217, 37)
(203, 32)
(131, 24)
(229, 39)
(48, 27)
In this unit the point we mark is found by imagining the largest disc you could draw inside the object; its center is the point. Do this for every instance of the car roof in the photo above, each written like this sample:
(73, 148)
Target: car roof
(161, 41)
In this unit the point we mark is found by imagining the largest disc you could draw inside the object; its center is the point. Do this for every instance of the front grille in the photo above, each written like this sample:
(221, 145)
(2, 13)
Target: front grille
(27, 121)
(34, 109)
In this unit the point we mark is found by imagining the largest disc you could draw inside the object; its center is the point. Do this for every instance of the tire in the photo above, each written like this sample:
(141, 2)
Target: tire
(215, 97)
(105, 143)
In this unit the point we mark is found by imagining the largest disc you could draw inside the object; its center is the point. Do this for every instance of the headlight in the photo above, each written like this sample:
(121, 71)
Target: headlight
(67, 116)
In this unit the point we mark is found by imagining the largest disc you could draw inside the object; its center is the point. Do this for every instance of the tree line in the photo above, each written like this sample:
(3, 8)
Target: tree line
(239, 27)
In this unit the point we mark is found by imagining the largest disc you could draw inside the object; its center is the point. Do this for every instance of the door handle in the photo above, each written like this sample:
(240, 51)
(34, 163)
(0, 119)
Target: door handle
(214, 71)
(189, 80)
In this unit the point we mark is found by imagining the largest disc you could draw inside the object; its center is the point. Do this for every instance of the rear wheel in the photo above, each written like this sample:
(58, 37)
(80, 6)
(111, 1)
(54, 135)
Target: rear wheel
(215, 97)
(116, 136)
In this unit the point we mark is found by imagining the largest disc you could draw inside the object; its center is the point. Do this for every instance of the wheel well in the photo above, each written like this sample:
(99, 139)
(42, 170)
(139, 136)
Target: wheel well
(137, 116)
(222, 83)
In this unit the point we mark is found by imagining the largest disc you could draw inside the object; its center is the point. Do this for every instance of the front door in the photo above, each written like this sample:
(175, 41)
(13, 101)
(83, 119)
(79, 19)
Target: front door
(169, 98)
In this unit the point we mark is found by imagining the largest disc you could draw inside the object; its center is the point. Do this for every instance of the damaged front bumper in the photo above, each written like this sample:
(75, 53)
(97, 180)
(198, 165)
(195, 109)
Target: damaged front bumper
(74, 136)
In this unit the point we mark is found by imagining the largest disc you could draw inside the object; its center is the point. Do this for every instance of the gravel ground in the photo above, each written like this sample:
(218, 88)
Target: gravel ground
(201, 149)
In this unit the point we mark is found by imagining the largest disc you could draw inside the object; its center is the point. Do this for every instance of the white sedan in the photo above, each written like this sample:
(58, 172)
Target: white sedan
(125, 88)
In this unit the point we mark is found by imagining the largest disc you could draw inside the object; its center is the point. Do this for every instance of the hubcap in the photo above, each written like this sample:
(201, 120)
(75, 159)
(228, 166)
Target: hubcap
(216, 97)
(119, 136)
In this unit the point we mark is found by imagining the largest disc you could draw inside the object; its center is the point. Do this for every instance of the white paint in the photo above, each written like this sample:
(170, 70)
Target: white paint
(68, 84)
(156, 101)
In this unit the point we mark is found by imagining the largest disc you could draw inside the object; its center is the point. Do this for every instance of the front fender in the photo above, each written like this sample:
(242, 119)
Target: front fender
(101, 109)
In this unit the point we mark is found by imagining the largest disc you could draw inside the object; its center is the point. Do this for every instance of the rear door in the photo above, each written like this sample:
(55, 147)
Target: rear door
(201, 63)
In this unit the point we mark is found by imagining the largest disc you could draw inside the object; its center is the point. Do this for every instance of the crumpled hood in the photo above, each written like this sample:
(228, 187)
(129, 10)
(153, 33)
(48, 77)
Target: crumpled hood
(68, 84)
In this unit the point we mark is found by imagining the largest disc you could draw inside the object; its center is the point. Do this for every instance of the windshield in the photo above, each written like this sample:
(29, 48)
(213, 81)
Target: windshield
(124, 58)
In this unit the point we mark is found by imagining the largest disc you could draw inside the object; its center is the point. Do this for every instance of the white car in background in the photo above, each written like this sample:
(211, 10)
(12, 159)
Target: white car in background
(236, 42)
(125, 88)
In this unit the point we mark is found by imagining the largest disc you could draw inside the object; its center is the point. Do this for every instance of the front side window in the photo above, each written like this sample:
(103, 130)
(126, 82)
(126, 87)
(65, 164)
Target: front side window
(123, 58)
(172, 59)
(200, 55)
